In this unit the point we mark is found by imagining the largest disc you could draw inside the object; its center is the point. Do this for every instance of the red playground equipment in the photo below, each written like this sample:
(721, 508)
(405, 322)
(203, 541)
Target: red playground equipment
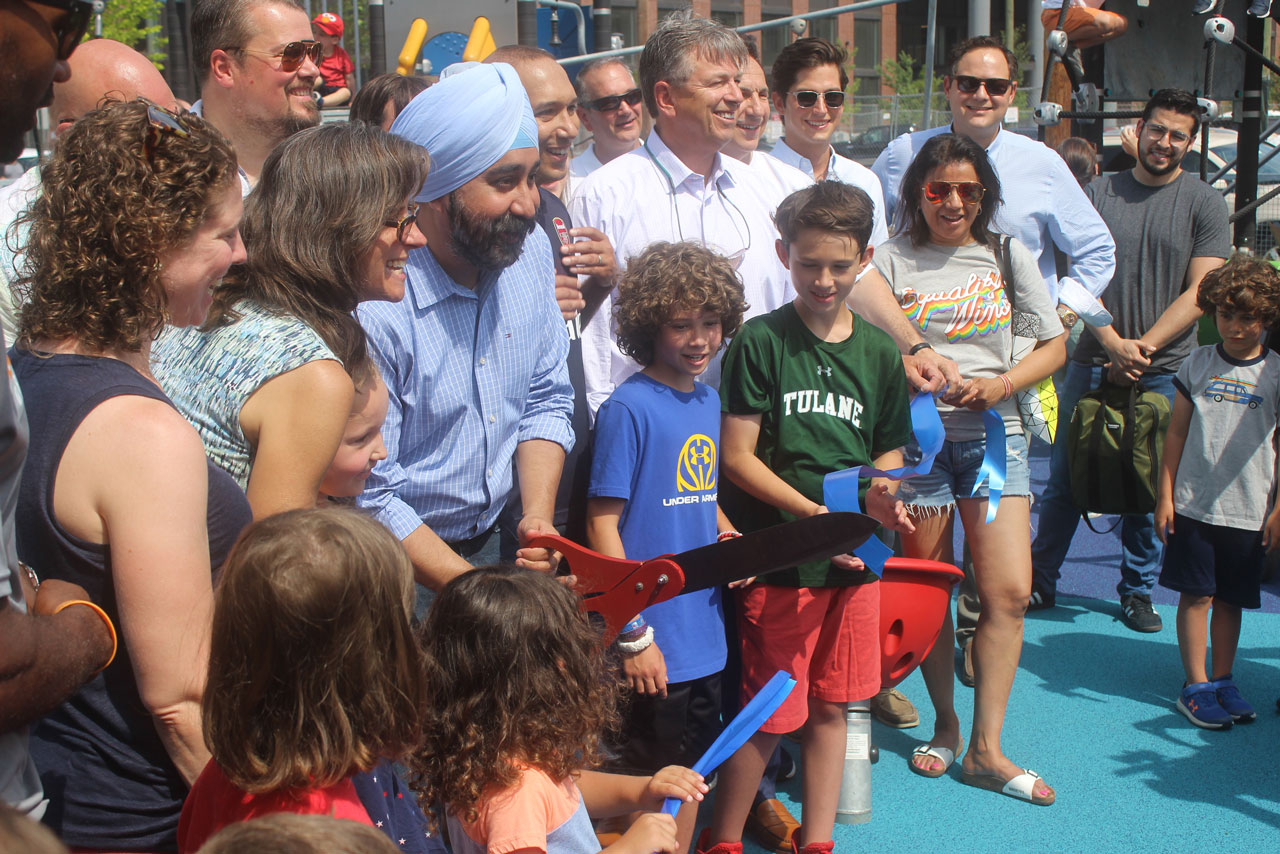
(913, 596)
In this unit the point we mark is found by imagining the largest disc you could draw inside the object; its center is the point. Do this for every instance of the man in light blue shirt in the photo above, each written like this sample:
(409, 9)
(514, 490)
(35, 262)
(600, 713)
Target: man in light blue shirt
(474, 356)
(1043, 204)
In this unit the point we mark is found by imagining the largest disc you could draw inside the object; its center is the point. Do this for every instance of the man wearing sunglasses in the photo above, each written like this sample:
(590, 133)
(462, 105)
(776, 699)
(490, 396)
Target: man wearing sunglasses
(257, 67)
(809, 81)
(44, 656)
(609, 106)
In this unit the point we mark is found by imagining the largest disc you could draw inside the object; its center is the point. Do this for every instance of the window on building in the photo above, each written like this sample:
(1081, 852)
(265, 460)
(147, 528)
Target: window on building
(624, 22)
(827, 27)
(866, 56)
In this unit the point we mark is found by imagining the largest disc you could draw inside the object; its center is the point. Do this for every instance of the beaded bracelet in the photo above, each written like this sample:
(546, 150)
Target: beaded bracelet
(111, 629)
(634, 647)
(727, 535)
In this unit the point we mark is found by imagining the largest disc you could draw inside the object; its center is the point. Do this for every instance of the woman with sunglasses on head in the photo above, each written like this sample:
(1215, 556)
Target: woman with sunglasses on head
(959, 281)
(268, 379)
(135, 225)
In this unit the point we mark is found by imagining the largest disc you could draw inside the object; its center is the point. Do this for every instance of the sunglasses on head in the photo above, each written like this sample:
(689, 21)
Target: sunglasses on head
(291, 55)
(609, 103)
(806, 98)
(995, 85)
(403, 224)
(70, 29)
(970, 192)
(160, 122)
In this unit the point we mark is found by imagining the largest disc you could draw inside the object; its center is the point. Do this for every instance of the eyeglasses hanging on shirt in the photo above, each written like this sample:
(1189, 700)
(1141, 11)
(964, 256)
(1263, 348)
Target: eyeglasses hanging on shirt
(734, 258)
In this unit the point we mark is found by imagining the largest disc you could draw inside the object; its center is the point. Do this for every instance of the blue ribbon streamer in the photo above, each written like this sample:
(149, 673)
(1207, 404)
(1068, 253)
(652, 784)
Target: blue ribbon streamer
(994, 462)
(840, 488)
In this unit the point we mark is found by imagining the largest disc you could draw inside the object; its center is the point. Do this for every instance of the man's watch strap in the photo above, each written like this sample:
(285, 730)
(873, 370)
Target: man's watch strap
(923, 345)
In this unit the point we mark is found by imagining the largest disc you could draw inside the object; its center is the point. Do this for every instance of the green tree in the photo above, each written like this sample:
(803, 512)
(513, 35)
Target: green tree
(905, 76)
(132, 21)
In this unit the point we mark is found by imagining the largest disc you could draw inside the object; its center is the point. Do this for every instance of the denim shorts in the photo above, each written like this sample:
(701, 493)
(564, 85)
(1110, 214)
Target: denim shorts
(955, 471)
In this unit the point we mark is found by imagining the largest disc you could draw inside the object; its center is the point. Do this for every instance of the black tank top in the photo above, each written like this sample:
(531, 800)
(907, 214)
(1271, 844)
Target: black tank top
(109, 781)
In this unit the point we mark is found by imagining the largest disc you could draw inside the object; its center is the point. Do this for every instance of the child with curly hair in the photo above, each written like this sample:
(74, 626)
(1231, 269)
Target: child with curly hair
(519, 697)
(654, 474)
(1216, 511)
(315, 682)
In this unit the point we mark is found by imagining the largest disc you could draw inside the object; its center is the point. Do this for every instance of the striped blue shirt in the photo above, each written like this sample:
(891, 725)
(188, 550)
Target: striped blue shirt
(471, 373)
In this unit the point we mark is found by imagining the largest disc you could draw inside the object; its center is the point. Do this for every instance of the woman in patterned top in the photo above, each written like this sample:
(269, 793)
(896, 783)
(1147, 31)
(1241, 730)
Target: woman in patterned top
(268, 380)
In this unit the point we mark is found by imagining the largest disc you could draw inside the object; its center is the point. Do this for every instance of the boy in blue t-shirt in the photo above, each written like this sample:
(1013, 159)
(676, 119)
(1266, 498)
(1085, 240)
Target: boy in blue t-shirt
(653, 491)
(1216, 509)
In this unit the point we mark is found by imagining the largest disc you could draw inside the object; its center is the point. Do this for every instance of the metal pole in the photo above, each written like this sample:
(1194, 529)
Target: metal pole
(377, 38)
(1247, 139)
(355, 15)
(930, 37)
(602, 22)
(1008, 24)
(1035, 38)
(527, 22)
(979, 18)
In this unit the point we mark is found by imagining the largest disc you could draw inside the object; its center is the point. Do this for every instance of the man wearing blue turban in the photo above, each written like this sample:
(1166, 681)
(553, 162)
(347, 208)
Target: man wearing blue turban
(474, 357)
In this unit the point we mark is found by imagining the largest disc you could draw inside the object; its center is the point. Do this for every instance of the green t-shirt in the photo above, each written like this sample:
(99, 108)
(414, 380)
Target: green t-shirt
(824, 407)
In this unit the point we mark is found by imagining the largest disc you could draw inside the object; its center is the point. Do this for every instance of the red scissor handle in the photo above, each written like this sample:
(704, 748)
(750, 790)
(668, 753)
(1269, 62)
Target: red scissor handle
(614, 588)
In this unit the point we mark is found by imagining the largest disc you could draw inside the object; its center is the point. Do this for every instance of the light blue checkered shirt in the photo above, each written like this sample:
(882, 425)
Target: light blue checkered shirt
(470, 375)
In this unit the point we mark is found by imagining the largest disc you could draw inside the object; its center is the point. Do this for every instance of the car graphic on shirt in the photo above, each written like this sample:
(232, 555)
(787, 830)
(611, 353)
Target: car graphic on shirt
(1232, 391)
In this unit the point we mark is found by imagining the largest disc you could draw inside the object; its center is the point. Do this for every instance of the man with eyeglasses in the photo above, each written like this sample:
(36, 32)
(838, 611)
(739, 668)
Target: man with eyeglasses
(609, 106)
(809, 82)
(257, 67)
(45, 654)
(1170, 230)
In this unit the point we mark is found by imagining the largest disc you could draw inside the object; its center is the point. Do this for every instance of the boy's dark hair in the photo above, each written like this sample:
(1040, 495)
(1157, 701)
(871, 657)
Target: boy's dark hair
(669, 277)
(1179, 101)
(1244, 285)
(978, 43)
(807, 53)
(943, 150)
(827, 206)
(314, 672)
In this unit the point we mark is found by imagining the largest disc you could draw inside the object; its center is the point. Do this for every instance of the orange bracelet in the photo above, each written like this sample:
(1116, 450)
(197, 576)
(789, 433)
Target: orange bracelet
(111, 629)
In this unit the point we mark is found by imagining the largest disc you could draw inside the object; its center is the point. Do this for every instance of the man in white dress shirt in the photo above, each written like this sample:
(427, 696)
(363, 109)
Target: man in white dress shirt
(609, 106)
(809, 81)
(676, 186)
(753, 116)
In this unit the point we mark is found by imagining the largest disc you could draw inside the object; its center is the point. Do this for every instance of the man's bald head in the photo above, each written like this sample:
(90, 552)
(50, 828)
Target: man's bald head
(102, 69)
(554, 101)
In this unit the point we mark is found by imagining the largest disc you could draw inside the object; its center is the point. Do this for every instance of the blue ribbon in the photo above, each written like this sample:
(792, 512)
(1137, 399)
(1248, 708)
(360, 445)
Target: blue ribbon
(840, 488)
(994, 462)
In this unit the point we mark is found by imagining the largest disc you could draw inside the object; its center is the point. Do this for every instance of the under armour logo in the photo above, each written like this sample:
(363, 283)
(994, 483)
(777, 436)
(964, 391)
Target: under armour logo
(824, 370)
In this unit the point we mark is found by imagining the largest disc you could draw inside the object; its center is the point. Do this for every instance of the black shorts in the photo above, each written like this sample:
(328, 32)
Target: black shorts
(675, 730)
(1212, 560)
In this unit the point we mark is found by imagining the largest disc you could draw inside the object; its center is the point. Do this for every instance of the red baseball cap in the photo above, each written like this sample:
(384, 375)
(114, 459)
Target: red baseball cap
(329, 23)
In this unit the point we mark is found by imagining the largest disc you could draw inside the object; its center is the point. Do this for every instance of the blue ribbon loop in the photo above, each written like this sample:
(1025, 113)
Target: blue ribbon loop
(995, 459)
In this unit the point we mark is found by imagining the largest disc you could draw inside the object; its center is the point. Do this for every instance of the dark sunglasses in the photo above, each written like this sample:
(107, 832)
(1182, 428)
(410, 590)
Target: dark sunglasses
(403, 224)
(970, 192)
(609, 103)
(291, 55)
(806, 98)
(995, 85)
(70, 29)
(159, 122)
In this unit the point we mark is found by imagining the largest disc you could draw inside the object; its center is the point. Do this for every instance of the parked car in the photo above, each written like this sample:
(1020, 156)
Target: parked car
(1222, 149)
(866, 146)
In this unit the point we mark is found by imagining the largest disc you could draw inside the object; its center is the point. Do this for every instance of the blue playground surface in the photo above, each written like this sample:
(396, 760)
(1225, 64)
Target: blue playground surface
(1092, 711)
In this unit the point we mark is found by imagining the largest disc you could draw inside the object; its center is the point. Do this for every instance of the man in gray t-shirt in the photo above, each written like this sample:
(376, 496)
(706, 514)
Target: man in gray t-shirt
(1170, 229)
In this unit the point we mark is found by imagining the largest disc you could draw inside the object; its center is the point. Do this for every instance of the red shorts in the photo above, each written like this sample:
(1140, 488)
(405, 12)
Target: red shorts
(827, 638)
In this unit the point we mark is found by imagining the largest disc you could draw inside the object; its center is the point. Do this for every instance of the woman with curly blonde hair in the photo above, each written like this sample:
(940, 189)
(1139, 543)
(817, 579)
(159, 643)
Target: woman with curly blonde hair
(268, 380)
(518, 697)
(136, 223)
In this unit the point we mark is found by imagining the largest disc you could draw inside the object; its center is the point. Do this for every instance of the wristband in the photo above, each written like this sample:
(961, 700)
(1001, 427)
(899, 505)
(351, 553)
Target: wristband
(727, 535)
(916, 348)
(1008, 386)
(111, 629)
(636, 646)
(637, 623)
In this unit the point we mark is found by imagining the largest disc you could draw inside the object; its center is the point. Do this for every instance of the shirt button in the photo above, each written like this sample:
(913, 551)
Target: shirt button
(492, 419)
(489, 472)
(482, 360)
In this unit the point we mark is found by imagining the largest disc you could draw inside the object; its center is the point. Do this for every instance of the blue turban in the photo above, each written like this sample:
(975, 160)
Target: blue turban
(467, 122)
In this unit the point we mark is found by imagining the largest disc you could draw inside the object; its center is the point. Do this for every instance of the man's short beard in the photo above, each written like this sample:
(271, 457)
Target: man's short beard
(280, 128)
(488, 245)
(1174, 163)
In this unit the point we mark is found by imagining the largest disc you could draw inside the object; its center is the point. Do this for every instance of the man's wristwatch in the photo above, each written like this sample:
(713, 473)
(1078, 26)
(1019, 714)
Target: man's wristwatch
(1067, 316)
(923, 345)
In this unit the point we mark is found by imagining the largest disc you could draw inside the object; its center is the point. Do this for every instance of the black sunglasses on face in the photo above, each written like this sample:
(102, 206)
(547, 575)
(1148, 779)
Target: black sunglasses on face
(70, 29)
(609, 103)
(834, 99)
(402, 225)
(996, 86)
(291, 55)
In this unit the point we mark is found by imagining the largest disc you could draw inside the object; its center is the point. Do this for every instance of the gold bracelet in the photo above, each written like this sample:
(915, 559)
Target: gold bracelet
(111, 629)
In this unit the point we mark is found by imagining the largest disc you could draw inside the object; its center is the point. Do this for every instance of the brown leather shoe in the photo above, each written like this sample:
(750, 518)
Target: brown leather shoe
(770, 825)
(892, 708)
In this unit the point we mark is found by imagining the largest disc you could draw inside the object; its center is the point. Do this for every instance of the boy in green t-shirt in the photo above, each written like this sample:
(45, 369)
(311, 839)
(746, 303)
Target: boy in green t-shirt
(807, 390)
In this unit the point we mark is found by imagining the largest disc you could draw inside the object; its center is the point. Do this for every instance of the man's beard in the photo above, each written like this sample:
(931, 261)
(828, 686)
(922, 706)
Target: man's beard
(488, 245)
(1174, 162)
(280, 128)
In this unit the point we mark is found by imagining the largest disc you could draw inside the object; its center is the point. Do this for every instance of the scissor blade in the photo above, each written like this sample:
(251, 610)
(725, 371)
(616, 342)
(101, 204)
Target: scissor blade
(772, 549)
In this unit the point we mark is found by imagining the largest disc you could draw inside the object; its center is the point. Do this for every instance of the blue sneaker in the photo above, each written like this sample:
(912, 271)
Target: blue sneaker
(1231, 701)
(1199, 702)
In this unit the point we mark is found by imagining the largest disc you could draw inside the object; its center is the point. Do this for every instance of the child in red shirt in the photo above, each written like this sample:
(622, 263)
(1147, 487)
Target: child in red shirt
(337, 71)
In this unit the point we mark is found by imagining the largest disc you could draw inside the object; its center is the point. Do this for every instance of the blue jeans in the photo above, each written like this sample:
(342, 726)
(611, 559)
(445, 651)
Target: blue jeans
(1140, 549)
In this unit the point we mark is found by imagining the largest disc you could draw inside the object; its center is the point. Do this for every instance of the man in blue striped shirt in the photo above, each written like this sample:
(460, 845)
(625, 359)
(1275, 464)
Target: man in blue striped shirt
(474, 356)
